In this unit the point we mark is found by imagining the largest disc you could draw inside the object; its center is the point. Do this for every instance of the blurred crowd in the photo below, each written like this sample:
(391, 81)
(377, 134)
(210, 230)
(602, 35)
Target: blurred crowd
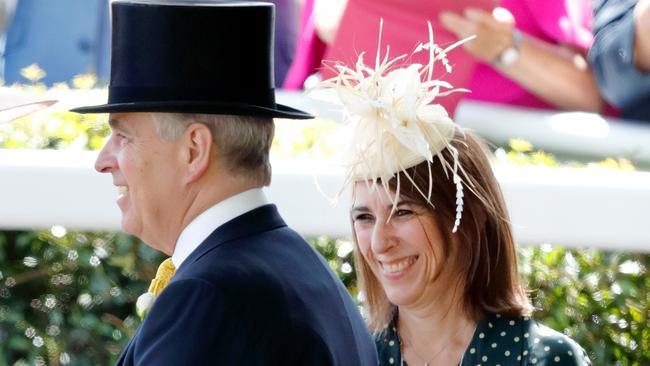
(584, 55)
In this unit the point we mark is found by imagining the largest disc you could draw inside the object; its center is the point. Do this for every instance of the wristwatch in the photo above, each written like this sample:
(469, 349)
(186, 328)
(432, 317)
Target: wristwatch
(510, 55)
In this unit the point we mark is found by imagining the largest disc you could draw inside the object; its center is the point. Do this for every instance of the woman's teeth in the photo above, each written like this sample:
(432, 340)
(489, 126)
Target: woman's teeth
(398, 266)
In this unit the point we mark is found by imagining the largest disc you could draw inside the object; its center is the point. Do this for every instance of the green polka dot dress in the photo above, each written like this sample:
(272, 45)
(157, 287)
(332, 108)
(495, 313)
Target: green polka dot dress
(500, 340)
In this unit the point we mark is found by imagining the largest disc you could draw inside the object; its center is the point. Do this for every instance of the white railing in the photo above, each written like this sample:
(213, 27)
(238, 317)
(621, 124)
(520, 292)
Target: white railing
(571, 207)
(587, 207)
(576, 134)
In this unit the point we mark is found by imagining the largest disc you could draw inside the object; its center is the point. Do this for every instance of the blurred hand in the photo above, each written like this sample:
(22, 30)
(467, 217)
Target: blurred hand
(327, 16)
(493, 31)
(642, 35)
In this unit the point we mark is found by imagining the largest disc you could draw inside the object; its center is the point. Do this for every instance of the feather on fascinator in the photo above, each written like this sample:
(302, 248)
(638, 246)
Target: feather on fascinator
(394, 121)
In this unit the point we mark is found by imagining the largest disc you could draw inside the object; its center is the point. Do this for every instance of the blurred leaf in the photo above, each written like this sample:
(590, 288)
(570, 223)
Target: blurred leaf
(520, 145)
(33, 73)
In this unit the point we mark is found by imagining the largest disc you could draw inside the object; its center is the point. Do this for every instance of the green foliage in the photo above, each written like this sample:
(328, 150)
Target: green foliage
(599, 298)
(294, 139)
(338, 254)
(56, 127)
(521, 152)
(60, 130)
(68, 298)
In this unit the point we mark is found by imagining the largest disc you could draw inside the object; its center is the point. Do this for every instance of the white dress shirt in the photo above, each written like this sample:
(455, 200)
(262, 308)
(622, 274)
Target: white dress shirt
(203, 225)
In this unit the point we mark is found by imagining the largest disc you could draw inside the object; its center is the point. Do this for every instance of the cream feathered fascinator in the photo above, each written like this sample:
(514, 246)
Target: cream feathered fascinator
(395, 121)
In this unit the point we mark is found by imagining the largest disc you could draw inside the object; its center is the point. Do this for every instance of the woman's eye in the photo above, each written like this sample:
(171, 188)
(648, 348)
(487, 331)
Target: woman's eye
(401, 213)
(362, 217)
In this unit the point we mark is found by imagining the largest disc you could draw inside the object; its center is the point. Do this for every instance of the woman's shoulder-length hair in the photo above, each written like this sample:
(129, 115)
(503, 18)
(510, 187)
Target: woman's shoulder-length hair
(482, 252)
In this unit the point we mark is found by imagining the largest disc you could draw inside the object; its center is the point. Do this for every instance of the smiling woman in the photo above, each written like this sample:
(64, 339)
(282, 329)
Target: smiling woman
(438, 297)
(435, 255)
(435, 296)
(475, 267)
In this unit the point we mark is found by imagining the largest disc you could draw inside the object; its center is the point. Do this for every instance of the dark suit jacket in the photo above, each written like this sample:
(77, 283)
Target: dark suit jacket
(253, 293)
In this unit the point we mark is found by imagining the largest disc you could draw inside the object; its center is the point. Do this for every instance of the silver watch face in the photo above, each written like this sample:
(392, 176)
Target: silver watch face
(509, 56)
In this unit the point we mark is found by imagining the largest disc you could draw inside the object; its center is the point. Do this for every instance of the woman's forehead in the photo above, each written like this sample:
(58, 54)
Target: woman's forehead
(367, 195)
(369, 192)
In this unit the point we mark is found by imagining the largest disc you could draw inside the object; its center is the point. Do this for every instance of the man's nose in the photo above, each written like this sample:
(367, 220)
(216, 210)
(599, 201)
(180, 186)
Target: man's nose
(105, 160)
(383, 236)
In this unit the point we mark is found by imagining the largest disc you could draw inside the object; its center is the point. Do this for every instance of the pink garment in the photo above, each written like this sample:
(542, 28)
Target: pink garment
(554, 21)
(405, 25)
(309, 51)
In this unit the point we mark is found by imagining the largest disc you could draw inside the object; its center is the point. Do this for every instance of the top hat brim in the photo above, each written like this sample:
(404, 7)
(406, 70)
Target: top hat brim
(208, 107)
(154, 68)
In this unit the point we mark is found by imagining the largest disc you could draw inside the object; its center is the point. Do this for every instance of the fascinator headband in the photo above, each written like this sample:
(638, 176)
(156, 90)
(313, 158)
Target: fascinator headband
(395, 121)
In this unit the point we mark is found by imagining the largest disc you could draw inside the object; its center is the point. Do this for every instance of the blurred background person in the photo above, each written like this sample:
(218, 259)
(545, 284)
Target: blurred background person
(7, 8)
(620, 55)
(353, 25)
(70, 37)
(532, 54)
(310, 47)
(286, 35)
(63, 37)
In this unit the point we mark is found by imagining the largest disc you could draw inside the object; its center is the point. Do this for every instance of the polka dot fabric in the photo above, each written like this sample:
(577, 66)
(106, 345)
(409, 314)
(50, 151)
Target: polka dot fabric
(501, 341)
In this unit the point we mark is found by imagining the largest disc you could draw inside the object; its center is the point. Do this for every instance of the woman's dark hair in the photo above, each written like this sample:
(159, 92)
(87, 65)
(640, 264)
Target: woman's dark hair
(482, 252)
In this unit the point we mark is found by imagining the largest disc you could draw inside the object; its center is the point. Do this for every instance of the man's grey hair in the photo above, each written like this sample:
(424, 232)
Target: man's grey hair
(243, 142)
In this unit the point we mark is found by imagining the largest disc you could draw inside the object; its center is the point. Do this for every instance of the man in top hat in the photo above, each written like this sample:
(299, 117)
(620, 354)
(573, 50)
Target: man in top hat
(191, 103)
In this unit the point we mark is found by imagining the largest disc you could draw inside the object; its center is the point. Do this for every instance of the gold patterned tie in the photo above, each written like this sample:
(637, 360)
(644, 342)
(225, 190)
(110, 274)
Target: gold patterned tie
(165, 272)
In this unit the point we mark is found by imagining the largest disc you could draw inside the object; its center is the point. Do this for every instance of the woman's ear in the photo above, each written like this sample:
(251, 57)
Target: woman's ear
(198, 147)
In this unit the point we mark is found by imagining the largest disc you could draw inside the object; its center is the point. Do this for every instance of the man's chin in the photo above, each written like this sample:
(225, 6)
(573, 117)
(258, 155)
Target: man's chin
(128, 227)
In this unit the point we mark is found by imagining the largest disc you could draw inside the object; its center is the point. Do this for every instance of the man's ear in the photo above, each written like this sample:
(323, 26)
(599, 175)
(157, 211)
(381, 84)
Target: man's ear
(198, 147)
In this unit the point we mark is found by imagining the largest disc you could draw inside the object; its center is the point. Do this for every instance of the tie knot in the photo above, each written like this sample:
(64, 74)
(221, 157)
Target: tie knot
(164, 274)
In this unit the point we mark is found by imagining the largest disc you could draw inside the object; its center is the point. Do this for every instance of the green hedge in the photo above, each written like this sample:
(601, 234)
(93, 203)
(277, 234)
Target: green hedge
(68, 297)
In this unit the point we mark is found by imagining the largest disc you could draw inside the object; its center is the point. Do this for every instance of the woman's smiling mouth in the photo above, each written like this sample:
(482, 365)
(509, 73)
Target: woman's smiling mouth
(397, 267)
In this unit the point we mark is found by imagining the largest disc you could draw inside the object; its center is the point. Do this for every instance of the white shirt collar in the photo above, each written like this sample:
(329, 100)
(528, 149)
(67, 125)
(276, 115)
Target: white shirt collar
(209, 220)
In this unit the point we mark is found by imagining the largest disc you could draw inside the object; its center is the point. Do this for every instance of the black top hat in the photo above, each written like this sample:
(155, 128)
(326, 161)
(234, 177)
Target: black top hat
(213, 58)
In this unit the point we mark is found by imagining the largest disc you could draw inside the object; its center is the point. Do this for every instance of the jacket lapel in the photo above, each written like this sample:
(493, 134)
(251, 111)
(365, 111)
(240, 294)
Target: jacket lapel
(253, 222)
(259, 220)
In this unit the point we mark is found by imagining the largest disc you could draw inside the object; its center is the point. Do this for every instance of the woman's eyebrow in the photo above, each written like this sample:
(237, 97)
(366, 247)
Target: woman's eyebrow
(388, 207)
(405, 202)
(359, 208)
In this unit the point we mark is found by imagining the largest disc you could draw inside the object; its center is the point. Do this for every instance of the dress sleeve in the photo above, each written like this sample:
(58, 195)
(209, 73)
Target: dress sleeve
(564, 21)
(548, 347)
(388, 346)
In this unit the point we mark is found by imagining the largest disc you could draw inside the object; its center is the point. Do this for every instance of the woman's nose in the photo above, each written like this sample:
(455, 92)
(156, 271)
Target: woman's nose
(383, 237)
